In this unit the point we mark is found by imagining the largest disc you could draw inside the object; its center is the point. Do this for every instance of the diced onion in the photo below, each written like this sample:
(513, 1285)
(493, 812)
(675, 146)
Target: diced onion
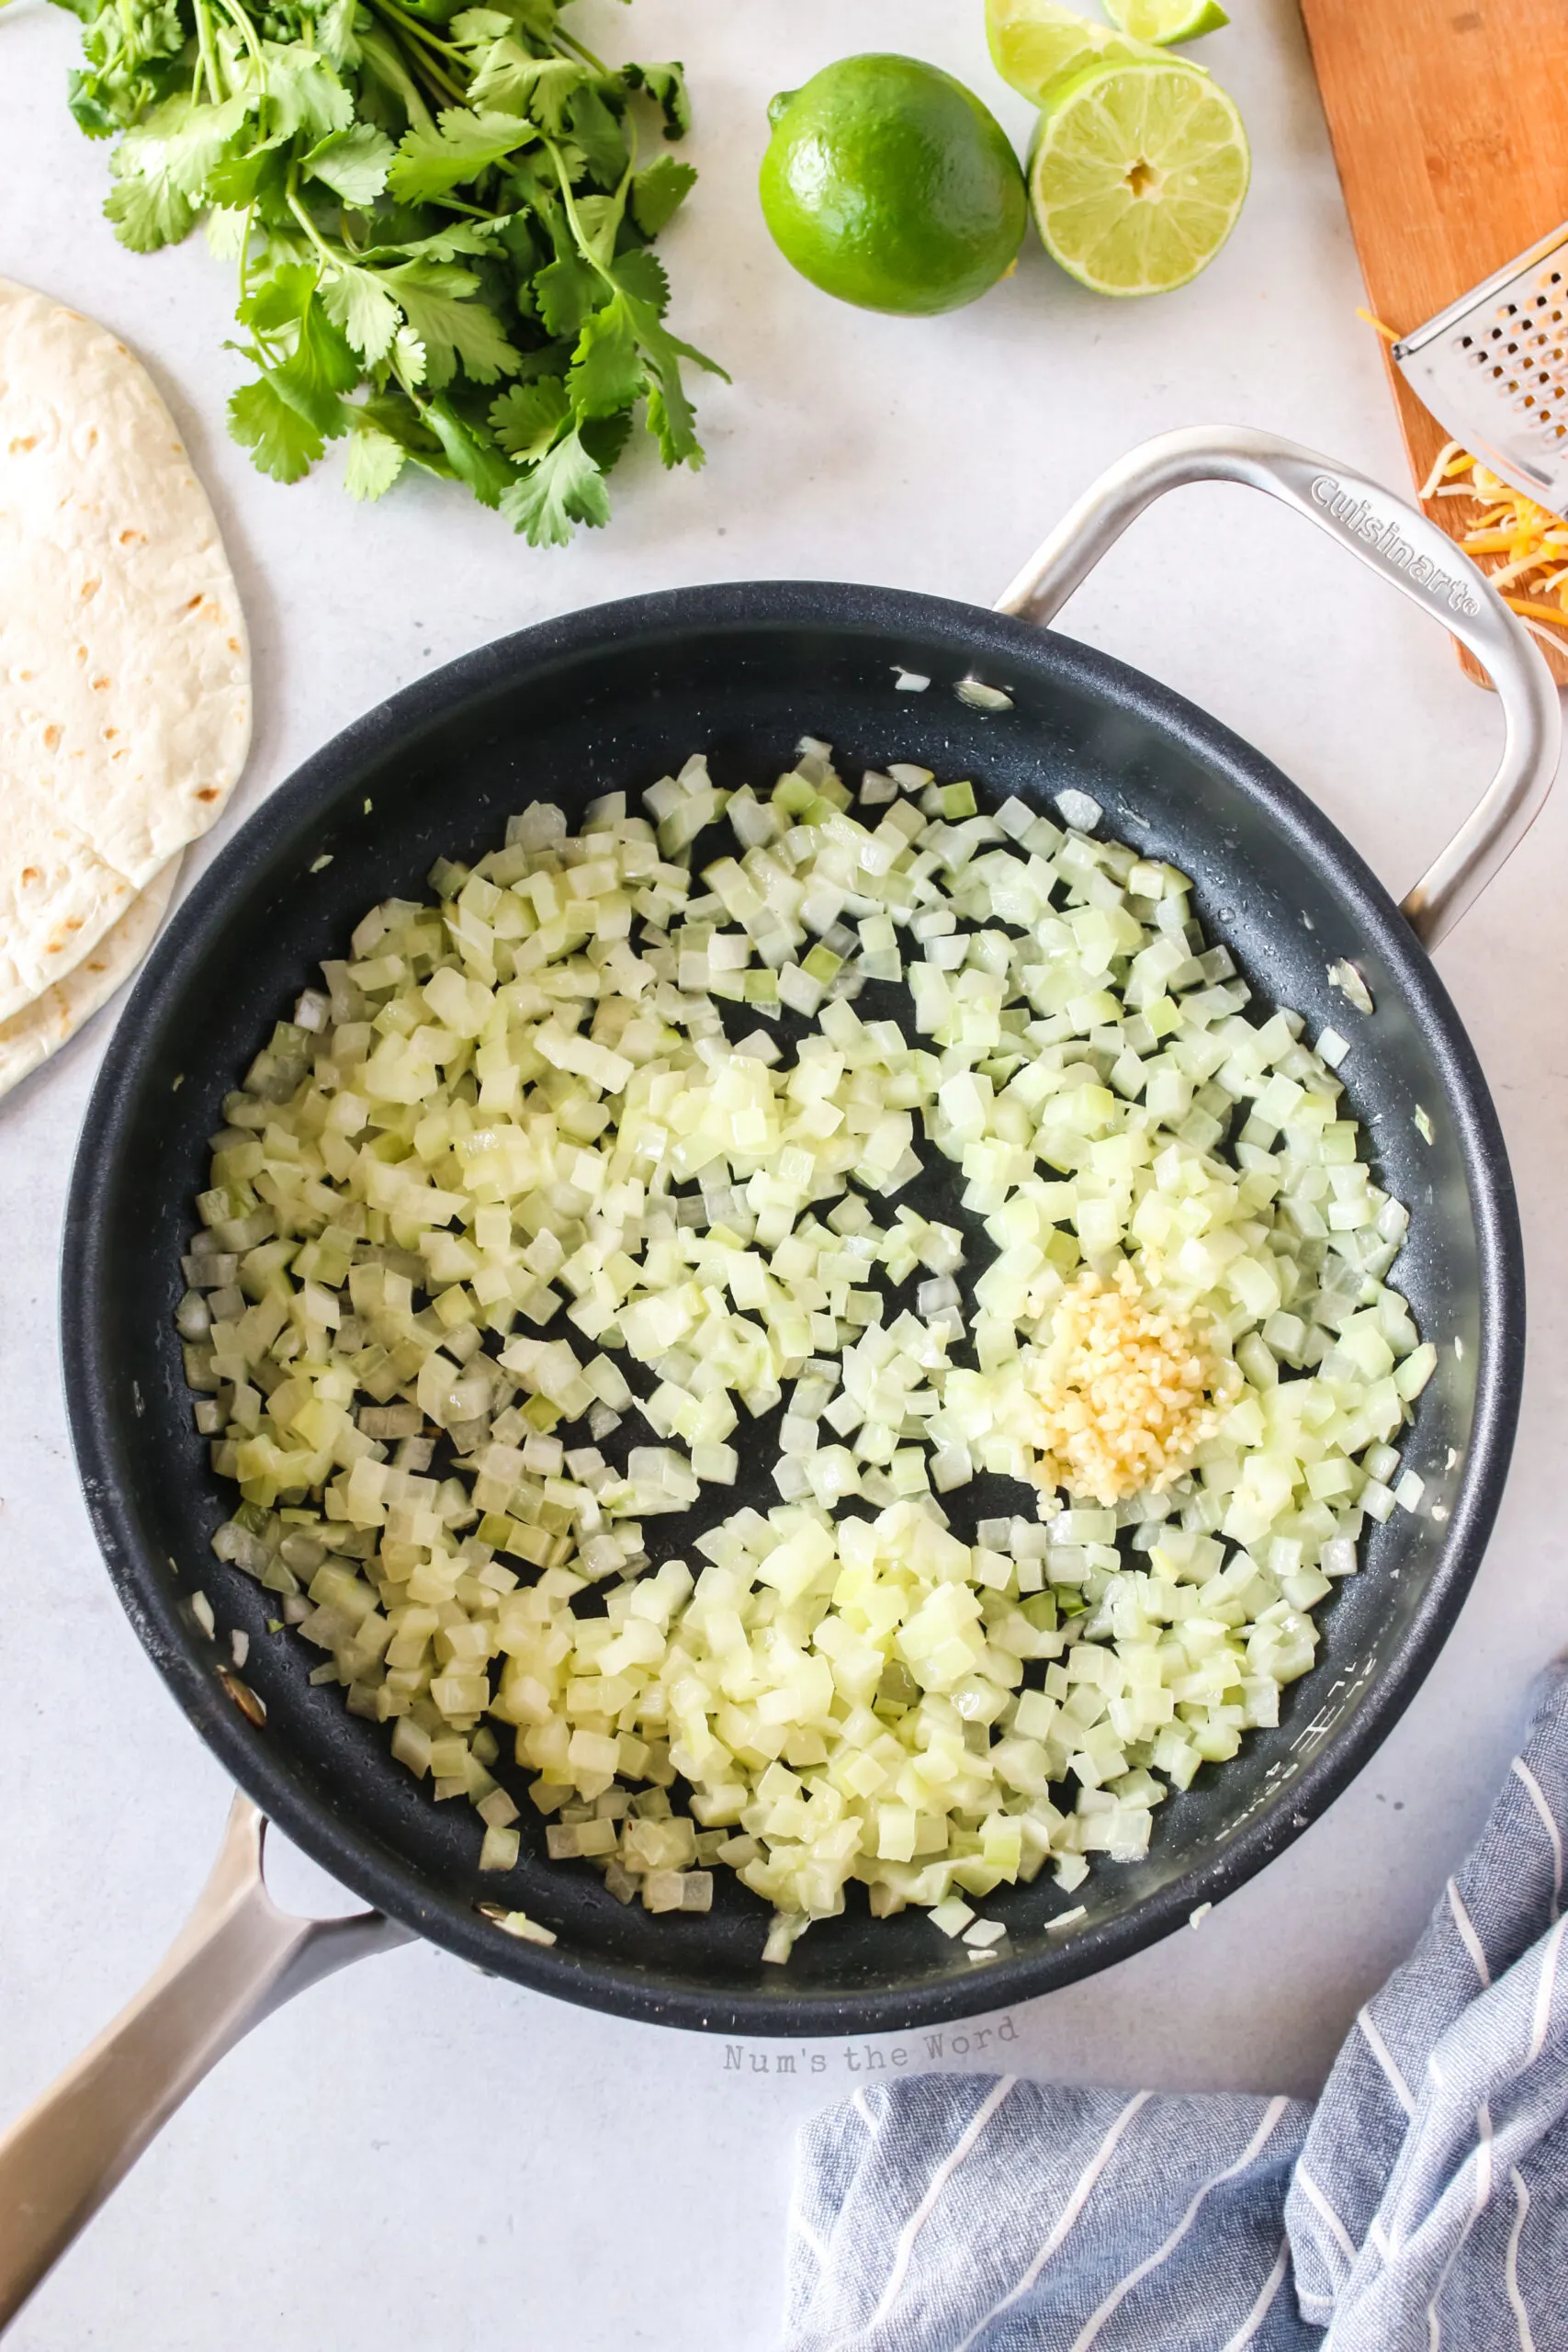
(562, 1183)
(1344, 977)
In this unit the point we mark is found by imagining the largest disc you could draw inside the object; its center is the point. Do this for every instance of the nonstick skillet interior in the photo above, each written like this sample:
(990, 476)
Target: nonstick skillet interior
(610, 699)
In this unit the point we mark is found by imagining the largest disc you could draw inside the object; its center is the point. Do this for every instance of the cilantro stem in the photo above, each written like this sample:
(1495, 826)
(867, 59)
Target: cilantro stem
(292, 197)
(246, 253)
(441, 87)
(261, 83)
(207, 63)
(428, 66)
(564, 40)
(421, 33)
(584, 244)
(240, 21)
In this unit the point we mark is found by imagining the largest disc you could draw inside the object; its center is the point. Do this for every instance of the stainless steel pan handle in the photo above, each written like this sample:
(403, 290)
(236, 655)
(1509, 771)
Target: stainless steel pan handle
(236, 1959)
(1392, 540)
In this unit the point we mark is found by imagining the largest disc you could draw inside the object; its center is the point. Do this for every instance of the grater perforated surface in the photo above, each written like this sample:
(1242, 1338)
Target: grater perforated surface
(1492, 368)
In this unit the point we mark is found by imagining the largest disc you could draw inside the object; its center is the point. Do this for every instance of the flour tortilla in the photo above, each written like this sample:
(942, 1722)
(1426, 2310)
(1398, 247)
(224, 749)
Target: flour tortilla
(43, 1027)
(124, 691)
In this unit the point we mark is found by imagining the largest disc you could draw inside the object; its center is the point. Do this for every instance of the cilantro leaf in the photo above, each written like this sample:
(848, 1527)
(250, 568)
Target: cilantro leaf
(640, 274)
(510, 76)
(471, 454)
(90, 107)
(519, 246)
(406, 358)
(225, 231)
(527, 417)
(604, 437)
(321, 366)
(645, 292)
(430, 163)
(259, 177)
(658, 193)
(535, 187)
(335, 36)
(473, 27)
(564, 488)
(375, 461)
(357, 301)
(393, 413)
(306, 94)
(549, 359)
(454, 331)
(672, 420)
(477, 237)
(148, 213)
(607, 370)
(666, 85)
(566, 291)
(597, 134)
(601, 217)
(178, 143)
(385, 66)
(647, 289)
(280, 300)
(282, 442)
(353, 162)
(535, 18)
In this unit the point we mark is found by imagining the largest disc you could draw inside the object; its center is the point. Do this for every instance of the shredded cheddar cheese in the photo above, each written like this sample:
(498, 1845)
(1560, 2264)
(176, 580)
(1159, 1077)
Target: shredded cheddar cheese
(1531, 540)
(1125, 1394)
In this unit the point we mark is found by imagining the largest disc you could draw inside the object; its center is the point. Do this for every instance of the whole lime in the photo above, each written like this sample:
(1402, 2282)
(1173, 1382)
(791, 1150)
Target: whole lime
(887, 184)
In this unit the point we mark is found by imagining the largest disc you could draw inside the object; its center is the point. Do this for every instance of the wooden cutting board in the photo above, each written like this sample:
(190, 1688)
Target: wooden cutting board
(1449, 123)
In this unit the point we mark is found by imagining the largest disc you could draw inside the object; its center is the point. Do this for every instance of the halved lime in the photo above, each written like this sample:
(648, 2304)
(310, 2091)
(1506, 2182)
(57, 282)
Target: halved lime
(1035, 43)
(1167, 21)
(1137, 173)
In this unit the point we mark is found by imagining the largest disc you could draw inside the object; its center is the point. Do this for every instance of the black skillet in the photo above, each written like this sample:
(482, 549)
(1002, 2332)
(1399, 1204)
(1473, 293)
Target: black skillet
(607, 699)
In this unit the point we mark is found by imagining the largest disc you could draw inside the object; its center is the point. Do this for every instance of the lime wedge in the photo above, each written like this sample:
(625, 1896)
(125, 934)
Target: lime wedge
(1137, 173)
(1035, 43)
(1166, 21)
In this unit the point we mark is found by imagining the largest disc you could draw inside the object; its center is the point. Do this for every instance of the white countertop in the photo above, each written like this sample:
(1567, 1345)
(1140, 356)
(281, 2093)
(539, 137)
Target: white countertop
(417, 2154)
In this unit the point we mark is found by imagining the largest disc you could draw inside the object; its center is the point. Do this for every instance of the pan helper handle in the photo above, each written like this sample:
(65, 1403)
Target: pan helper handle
(1391, 538)
(237, 1958)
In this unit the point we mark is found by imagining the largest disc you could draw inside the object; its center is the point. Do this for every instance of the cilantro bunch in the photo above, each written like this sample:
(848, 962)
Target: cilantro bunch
(440, 224)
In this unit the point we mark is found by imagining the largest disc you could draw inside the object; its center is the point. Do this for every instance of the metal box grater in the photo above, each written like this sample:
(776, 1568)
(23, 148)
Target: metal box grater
(1492, 368)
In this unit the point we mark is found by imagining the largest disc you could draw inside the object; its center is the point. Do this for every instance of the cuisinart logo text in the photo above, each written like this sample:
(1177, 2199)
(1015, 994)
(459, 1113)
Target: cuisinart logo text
(1358, 516)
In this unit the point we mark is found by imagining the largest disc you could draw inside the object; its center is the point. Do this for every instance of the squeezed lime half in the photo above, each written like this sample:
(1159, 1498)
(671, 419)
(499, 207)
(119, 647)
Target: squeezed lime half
(1167, 21)
(1036, 43)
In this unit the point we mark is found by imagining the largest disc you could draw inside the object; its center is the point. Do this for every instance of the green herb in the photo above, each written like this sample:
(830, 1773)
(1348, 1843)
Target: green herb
(440, 223)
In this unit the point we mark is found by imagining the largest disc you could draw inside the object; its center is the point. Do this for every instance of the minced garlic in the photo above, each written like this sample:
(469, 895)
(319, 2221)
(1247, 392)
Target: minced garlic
(1125, 1392)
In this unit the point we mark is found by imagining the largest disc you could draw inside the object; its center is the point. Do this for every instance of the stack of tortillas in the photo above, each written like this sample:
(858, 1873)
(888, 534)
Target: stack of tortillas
(125, 681)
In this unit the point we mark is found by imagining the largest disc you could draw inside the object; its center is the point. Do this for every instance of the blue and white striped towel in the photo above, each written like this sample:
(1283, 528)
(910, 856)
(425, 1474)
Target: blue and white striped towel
(1421, 2207)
